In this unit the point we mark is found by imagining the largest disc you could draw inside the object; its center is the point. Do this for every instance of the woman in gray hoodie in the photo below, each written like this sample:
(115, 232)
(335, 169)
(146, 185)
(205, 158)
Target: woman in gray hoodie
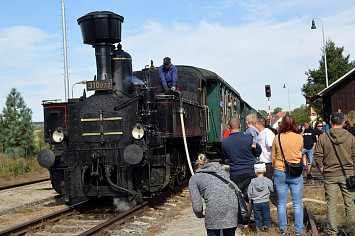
(221, 211)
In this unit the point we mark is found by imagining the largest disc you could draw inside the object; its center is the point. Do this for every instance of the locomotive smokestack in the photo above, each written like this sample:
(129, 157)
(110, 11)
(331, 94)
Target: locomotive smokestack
(101, 29)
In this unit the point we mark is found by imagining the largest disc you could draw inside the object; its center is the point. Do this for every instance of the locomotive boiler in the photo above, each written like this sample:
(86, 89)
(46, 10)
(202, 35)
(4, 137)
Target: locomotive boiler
(125, 140)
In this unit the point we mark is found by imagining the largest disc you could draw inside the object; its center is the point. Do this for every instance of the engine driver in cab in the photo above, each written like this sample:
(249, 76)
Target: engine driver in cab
(168, 76)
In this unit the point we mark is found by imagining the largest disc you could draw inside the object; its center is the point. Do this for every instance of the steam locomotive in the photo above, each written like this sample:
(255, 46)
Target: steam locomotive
(127, 139)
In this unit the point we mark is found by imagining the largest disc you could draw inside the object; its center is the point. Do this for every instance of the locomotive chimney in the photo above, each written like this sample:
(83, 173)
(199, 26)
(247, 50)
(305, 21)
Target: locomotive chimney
(101, 29)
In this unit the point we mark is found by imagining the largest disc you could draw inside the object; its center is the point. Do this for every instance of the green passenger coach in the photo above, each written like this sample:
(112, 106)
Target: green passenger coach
(223, 102)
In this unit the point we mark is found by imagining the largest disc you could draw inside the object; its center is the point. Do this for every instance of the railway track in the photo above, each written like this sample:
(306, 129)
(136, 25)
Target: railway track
(5, 187)
(315, 182)
(88, 218)
(94, 224)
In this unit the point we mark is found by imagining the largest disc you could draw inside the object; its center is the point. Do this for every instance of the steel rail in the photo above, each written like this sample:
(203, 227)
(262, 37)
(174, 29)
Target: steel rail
(125, 216)
(40, 221)
(36, 223)
(310, 219)
(318, 179)
(23, 184)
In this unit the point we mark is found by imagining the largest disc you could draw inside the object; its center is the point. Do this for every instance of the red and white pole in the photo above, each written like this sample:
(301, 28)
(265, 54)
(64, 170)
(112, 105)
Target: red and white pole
(268, 102)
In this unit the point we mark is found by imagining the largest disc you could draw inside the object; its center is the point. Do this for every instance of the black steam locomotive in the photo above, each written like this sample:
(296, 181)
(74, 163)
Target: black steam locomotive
(126, 139)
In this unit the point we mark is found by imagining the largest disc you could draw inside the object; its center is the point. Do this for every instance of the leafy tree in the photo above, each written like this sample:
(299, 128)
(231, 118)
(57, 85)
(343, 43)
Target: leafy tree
(276, 110)
(263, 113)
(16, 126)
(337, 66)
(301, 114)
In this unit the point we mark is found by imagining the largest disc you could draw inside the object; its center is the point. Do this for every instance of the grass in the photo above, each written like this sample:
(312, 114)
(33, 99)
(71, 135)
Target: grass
(24, 211)
(319, 211)
(13, 166)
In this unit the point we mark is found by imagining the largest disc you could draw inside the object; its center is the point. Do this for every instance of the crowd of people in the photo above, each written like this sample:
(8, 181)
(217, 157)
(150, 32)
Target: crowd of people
(261, 165)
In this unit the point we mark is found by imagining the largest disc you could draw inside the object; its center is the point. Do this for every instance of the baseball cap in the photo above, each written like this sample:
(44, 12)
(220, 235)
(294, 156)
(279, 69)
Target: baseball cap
(166, 61)
(320, 125)
(260, 168)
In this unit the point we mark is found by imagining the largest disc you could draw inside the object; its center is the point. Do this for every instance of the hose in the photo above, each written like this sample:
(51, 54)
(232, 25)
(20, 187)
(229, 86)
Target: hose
(185, 143)
(181, 111)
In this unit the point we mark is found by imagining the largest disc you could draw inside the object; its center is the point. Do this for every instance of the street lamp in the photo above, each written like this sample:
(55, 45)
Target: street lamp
(324, 47)
(288, 92)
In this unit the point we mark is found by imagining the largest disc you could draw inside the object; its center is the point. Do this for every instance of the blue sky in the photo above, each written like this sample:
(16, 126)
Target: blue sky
(248, 43)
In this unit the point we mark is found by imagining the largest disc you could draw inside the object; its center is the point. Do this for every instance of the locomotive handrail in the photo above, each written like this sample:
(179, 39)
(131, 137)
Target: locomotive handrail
(164, 96)
(207, 110)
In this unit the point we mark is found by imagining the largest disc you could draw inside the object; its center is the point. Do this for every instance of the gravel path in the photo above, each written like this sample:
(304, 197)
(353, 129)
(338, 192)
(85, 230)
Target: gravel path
(19, 198)
(186, 224)
(25, 203)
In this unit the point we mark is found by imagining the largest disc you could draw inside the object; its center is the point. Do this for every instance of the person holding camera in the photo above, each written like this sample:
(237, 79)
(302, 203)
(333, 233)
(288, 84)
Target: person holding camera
(221, 201)
(336, 171)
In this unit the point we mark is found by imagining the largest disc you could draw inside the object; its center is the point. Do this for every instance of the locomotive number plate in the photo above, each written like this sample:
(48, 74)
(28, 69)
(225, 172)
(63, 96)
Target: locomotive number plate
(99, 85)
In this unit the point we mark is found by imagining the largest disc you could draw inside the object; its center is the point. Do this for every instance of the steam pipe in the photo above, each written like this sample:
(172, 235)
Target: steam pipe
(103, 60)
(108, 177)
(83, 175)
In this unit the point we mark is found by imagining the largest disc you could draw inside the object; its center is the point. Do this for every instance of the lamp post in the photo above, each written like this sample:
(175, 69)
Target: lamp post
(288, 93)
(324, 49)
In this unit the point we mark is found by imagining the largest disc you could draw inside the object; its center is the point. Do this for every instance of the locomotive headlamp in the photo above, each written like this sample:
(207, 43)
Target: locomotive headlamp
(58, 135)
(138, 131)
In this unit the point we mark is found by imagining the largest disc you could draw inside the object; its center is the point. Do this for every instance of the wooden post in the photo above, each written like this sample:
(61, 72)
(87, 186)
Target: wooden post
(2, 148)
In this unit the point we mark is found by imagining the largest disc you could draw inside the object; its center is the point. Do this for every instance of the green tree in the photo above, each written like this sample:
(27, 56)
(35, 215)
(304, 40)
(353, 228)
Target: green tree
(337, 65)
(16, 126)
(301, 114)
(276, 110)
(263, 113)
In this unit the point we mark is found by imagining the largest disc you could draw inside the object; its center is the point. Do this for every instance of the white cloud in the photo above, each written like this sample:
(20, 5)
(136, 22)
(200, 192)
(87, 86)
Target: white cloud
(268, 50)
(247, 57)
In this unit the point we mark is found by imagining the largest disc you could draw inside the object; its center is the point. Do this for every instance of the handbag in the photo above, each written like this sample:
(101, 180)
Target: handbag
(350, 181)
(293, 169)
(243, 214)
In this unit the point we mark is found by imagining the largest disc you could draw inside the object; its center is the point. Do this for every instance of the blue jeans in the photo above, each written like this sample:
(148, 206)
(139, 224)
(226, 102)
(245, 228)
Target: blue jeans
(309, 155)
(283, 182)
(262, 215)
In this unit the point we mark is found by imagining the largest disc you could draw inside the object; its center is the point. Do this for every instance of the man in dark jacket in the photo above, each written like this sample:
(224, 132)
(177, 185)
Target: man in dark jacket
(329, 166)
(242, 158)
(309, 143)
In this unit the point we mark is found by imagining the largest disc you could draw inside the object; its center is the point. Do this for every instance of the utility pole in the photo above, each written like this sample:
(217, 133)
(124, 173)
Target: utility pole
(66, 79)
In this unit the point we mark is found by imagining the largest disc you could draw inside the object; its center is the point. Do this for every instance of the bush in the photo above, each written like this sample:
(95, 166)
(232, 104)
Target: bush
(10, 165)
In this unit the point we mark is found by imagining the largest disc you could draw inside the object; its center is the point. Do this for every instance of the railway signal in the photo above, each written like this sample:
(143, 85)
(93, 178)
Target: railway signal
(268, 91)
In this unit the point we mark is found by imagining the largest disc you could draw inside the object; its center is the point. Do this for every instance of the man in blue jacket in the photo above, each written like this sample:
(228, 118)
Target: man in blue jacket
(242, 158)
(168, 75)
